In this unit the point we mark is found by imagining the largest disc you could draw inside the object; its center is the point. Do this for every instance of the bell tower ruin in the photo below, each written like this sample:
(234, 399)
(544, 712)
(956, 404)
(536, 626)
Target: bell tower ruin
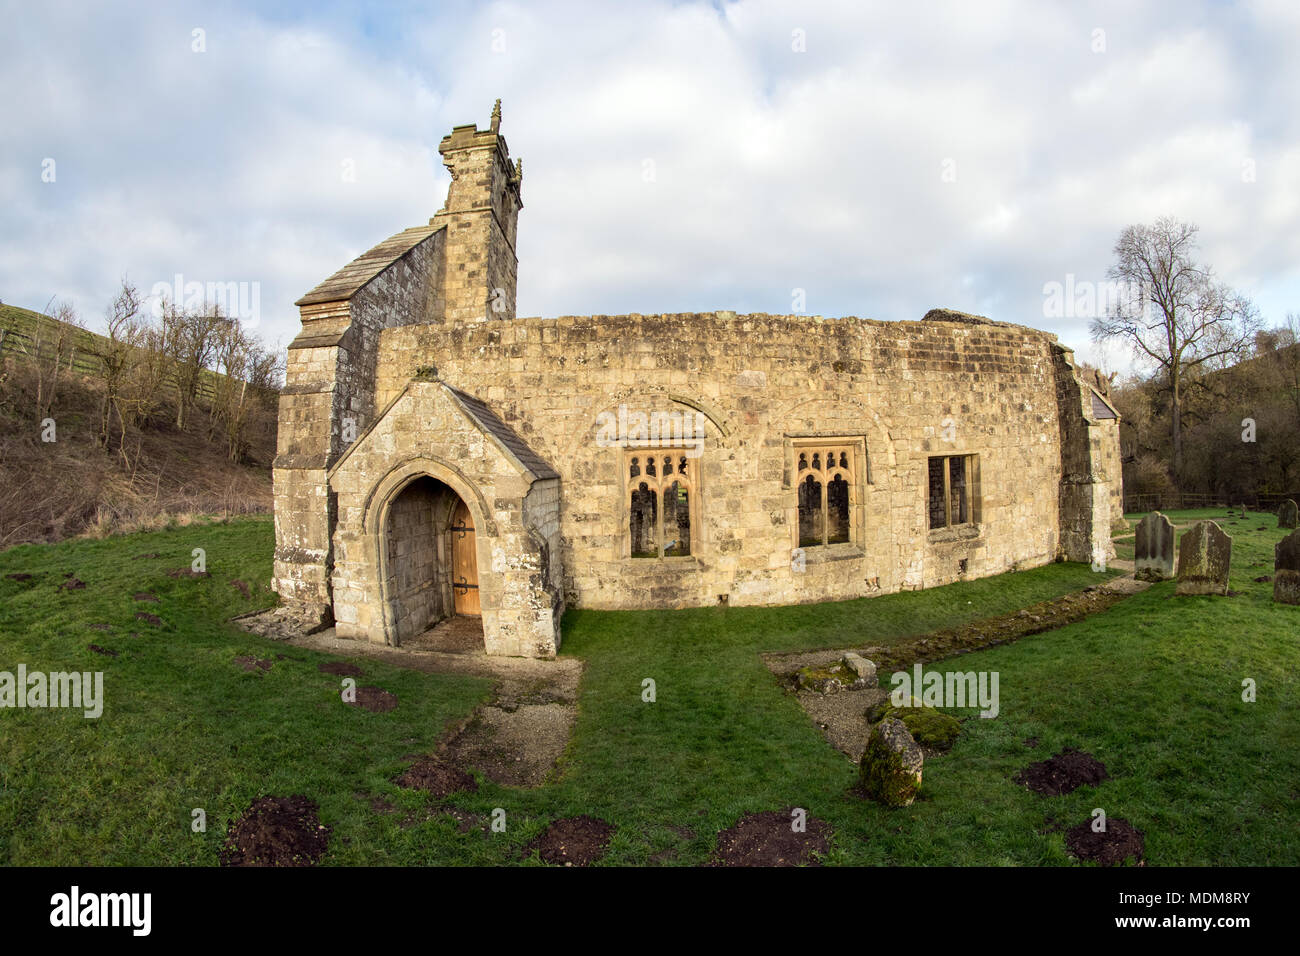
(481, 215)
(460, 268)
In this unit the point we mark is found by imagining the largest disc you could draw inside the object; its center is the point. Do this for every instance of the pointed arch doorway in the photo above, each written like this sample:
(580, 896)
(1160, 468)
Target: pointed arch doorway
(429, 568)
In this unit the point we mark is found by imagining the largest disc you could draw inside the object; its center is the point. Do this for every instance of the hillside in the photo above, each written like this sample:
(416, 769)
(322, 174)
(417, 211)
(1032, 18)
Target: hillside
(73, 485)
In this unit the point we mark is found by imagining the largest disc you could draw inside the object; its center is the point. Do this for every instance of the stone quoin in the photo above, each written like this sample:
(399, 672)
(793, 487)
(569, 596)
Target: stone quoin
(438, 455)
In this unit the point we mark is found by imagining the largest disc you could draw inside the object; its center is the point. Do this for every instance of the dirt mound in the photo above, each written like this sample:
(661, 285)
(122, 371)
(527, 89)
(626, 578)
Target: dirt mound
(102, 650)
(72, 584)
(375, 699)
(339, 668)
(19, 576)
(768, 839)
(146, 596)
(573, 841)
(187, 573)
(1119, 842)
(276, 831)
(242, 588)
(153, 619)
(1063, 773)
(253, 663)
(436, 776)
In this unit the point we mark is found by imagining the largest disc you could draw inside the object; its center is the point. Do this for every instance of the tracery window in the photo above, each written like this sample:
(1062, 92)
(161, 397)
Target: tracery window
(825, 478)
(662, 501)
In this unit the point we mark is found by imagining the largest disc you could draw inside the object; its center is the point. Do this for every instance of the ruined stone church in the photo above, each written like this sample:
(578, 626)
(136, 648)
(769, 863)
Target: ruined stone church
(438, 456)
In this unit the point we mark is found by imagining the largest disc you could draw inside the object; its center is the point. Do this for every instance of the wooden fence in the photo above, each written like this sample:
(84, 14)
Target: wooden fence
(1177, 501)
(82, 347)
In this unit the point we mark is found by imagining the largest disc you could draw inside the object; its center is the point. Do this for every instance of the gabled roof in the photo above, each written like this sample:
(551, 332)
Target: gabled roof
(354, 276)
(492, 424)
(482, 417)
(1101, 409)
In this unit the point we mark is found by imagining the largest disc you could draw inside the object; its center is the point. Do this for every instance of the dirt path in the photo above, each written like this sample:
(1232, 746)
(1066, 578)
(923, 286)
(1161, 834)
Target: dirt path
(515, 738)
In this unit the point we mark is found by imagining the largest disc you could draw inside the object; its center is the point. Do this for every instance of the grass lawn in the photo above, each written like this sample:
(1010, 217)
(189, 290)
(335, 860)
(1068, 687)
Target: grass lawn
(183, 727)
(1151, 687)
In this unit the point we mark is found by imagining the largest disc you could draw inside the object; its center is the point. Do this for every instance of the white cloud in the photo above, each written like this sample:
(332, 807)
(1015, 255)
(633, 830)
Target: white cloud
(773, 169)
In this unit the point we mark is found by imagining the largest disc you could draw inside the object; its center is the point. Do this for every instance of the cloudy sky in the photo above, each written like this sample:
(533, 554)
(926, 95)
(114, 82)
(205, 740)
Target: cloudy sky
(883, 158)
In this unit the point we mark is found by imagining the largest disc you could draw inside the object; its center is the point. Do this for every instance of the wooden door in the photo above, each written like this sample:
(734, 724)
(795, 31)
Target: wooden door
(464, 562)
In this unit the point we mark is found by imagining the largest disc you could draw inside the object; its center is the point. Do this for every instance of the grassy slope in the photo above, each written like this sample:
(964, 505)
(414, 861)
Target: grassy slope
(88, 345)
(183, 727)
(1151, 687)
(49, 491)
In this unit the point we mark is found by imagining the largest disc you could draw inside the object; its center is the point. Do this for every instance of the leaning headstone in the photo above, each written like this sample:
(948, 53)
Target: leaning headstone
(890, 772)
(1286, 570)
(1204, 556)
(1288, 516)
(1154, 554)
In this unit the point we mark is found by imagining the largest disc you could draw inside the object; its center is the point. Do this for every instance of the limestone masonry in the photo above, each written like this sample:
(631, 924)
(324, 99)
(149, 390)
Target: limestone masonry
(438, 455)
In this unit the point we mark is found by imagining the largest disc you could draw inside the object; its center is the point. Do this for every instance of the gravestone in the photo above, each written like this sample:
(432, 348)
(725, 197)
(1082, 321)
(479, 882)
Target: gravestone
(1204, 556)
(890, 771)
(1286, 570)
(1288, 516)
(1154, 553)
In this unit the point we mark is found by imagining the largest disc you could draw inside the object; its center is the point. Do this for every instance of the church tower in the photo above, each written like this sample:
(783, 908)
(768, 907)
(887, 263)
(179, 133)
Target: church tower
(481, 215)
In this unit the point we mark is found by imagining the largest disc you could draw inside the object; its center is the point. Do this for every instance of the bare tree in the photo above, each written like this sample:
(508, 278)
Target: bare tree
(1180, 318)
(247, 376)
(51, 349)
(1286, 359)
(189, 343)
(256, 393)
(117, 356)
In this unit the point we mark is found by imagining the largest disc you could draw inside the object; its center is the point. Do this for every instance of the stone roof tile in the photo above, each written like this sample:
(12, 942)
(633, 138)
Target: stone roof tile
(354, 276)
(491, 423)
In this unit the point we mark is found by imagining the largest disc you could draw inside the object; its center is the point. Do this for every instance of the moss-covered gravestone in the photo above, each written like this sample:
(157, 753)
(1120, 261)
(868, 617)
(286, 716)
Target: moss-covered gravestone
(1288, 515)
(1154, 548)
(890, 771)
(1286, 570)
(934, 730)
(1204, 556)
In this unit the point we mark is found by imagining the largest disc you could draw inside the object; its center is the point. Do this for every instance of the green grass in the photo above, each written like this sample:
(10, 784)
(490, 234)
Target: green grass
(1151, 687)
(183, 727)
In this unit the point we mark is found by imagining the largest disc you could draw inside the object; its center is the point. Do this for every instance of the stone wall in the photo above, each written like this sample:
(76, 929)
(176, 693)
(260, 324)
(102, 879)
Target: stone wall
(1091, 481)
(329, 393)
(903, 391)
